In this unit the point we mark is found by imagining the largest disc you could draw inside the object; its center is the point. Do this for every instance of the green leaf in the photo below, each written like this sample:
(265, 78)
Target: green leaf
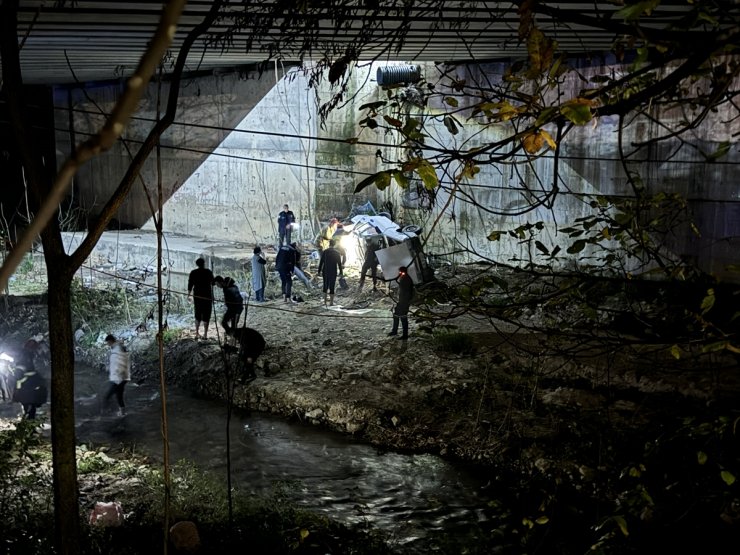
(622, 524)
(380, 179)
(708, 302)
(304, 534)
(676, 352)
(411, 126)
(701, 457)
(449, 122)
(373, 105)
(542, 248)
(577, 247)
(727, 477)
(495, 235)
(401, 179)
(577, 111)
(634, 11)
(365, 183)
(545, 116)
(542, 520)
(714, 347)
(428, 175)
(721, 151)
(393, 121)
(704, 16)
(451, 101)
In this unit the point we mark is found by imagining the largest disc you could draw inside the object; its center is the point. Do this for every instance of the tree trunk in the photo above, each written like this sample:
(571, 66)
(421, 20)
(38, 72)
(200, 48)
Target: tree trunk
(63, 439)
(58, 264)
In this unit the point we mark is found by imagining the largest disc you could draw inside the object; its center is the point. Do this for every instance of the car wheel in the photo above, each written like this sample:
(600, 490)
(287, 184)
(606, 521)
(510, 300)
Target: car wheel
(408, 229)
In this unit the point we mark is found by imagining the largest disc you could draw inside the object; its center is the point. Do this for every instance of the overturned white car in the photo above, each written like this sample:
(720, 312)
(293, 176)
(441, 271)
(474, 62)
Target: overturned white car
(394, 246)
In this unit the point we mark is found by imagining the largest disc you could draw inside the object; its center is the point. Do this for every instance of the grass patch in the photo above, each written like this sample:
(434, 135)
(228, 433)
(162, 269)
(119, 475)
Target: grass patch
(266, 524)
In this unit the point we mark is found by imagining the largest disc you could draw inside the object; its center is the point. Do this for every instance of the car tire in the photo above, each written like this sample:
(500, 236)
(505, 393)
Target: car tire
(408, 229)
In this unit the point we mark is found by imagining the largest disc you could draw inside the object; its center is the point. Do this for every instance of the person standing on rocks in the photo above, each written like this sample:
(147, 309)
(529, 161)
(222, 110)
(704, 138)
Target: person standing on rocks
(330, 264)
(200, 292)
(326, 234)
(259, 275)
(233, 301)
(370, 264)
(285, 264)
(401, 310)
(119, 371)
(286, 219)
(298, 270)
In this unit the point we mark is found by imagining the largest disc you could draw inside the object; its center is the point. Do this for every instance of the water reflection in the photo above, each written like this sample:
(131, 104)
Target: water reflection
(408, 496)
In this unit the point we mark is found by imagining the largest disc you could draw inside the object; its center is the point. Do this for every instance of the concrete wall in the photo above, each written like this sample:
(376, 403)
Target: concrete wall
(589, 166)
(267, 161)
(208, 106)
(280, 152)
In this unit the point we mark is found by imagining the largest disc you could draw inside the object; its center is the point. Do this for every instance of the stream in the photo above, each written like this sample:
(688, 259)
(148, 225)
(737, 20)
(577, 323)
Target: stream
(416, 499)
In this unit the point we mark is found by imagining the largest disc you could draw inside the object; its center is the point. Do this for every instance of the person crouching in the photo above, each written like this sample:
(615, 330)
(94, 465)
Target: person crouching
(251, 344)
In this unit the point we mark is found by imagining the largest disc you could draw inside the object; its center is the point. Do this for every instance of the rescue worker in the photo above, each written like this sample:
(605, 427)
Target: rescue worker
(401, 310)
(330, 264)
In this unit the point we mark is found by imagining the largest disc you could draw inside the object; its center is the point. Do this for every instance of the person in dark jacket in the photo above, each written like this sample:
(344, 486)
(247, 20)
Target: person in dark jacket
(250, 344)
(284, 264)
(298, 269)
(330, 264)
(401, 310)
(30, 387)
(286, 219)
(370, 264)
(233, 301)
(200, 292)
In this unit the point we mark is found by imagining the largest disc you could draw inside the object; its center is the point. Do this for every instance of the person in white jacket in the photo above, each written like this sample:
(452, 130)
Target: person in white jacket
(119, 371)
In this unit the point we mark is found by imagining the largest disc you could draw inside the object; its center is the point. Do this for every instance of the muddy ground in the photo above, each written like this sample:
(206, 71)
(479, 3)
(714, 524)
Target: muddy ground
(470, 388)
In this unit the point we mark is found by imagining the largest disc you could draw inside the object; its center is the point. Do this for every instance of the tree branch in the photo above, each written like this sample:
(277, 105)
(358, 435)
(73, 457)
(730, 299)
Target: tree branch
(121, 192)
(107, 136)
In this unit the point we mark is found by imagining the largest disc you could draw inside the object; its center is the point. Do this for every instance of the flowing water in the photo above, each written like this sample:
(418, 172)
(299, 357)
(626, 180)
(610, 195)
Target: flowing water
(412, 498)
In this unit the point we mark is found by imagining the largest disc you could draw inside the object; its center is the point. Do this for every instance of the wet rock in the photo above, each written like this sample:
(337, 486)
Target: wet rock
(315, 414)
(106, 514)
(184, 536)
(354, 426)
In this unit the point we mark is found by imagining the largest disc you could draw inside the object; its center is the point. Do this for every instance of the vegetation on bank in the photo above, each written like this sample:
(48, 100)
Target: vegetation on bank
(267, 525)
